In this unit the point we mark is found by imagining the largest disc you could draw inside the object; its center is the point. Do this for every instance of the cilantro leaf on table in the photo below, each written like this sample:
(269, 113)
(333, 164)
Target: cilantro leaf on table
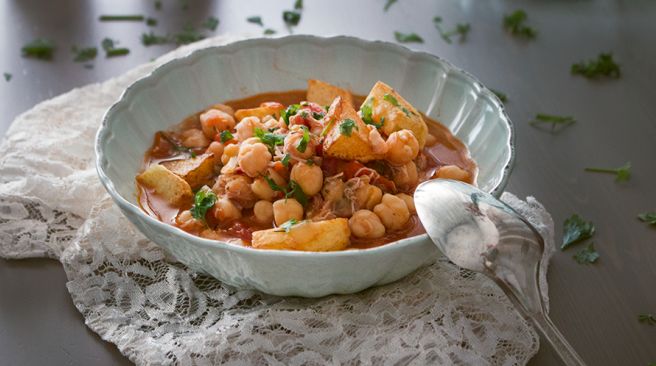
(7, 76)
(604, 65)
(298, 5)
(389, 4)
(291, 18)
(461, 29)
(622, 174)
(255, 20)
(515, 24)
(204, 199)
(121, 18)
(109, 45)
(555, 121)
(269, 32)
(502, 96)
(587, 255)
(648, 319)
(188, 35)
(211, 23)
(151, 22)
(84, 54)
(648, 217)
(40, 48)
(576, 229)
(149, 39)
(408, 37)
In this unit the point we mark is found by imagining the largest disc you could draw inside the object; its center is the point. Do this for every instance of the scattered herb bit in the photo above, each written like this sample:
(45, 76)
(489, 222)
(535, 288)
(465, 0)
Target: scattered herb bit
(7, 76)
(408, 37)
(575, 229)
(149, 39)
(514, 23)
(554, 120)
(297, 193)
(203, 201)
(109, 45)
(255, 20)
(502, 96)
(647, 319)
(151, 22)
(309, 161)
(188, 35)
(113, 18)
(269, 31)
(88, 66)
(286, 226)
(622, 174)
(347, 126)
(158, 5)
(39, 48)
(317, 116)
(302, 145)
(648, 217)
(291, 18)
(298, 5)
(84, 54)
(291, 110)
(273, 185)
(270, 139)
(366, 112)
(393, 101)
(588, 255)
(604, 65)
(388, 4)
(461, 29)
(285, 160)
(176, 145)
(211, 23)
(225, 136)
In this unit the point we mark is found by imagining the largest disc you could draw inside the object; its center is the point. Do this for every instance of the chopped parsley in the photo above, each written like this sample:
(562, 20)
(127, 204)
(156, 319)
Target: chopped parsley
(515, 24)
(461, 30)
(604, 65)
(347, 126)
(555, 121)
(587, 255)
(408, 37)
(225, 136)
(270, 139)
(114, 18)
(298, 5)
(269, 31)
(84, 54)
(7, 76)
(285, 160)
(502, 96)
(40, 48)
(649, 319)
(309, 162)
(151, 22)
(189, 35)
(286, 226)
(291, 110)
(648, 217)
(389, 4)
(366, 113)
(622, 174)
(317, 116)
(575, 229)
(211, 23)
(291, 18)
(293, 190)
(255, 20)
(393, 101)
(203, 201)
(302, 145)
(149, 39)
(109, 45)
(158, 4)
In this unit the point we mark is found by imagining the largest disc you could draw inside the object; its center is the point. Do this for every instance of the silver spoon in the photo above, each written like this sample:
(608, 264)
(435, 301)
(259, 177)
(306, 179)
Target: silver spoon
(478, 232)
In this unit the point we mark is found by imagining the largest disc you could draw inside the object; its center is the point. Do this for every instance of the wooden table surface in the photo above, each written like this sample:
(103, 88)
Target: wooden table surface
(595, 306)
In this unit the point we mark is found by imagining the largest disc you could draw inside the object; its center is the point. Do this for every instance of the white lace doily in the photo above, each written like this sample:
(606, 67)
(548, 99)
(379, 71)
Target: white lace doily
(159, 312)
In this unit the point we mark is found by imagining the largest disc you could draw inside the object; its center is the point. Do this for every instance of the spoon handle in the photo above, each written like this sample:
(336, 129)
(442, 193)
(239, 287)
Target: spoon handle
(544, 325)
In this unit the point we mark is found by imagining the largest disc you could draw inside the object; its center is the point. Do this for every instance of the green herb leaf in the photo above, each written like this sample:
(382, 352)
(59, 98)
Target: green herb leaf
(587, 255)
(113, 18)
(388, 4)
(285, 160)
(270, 139)
(291, 18)
(39, 48)
(310, 162)
(158, 4)
(291, 110)
(575, 229)
(7, 76)
(149, 39)
(151, 22)
(622, 174)
(553, 120)
(203, 201)
(461, 29)
(514, 23)
(347, 126)
(296, 192)
(648, 217)
(302, 145)
(176, 145)
(269, 31)
(84, 54)
(298, 5)
(273, 185)
(189, 35)
(211, 23)
(109, 45)
(366, 113)
(648, 319)
(408, 37)
(225, 136)
(604, 65)
(393, 101)
(255, 20)
(286, 226)
(317, 116)
(502, 96)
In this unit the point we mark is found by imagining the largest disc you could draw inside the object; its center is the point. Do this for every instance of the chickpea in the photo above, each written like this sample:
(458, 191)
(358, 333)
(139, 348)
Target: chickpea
(368, 196)
(402, 147)
(453, 172)
(278, 177)
(292, 142)
(253, 159)
(287, 209)
(237, 187)
(376, 141)
(365, 224)
(229, 151)
(214, 121)
(392, 211)
(409, 201)
(309, 177)
(194, 138)
(226, 210)
(216, 148)
(246, 128)
(333, 189)
(187, 222)
(263, 211)
(262, 189)
(406, 176)
(430, 140)
(224, 108)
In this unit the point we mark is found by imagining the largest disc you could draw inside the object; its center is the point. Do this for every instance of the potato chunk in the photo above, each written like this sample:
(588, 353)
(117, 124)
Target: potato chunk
(346, 143)
(195, 171)
(398, 114)
(310, 236)
(166, 184)
(322, 93)
(265, 109)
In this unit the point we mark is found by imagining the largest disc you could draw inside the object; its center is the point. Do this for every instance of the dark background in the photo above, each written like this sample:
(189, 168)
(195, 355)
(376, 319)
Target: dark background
(595, 306)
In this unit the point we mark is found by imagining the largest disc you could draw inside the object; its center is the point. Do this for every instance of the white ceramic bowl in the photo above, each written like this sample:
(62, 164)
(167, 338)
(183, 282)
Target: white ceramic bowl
(188, 84)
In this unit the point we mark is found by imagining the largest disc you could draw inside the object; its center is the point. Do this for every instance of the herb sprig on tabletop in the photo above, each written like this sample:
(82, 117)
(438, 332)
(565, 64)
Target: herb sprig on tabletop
(576, 229)
(648, 319)
(255, 20)
(109, 45)
(7, 76)
(502, 96)
(461, 30)
(389, 4)
(648, 217)
(515, 24)
(84, 54)
(587, 255)
(408, 37)
(553, 120)
(622, 174)
(604, 65)
(40, 48)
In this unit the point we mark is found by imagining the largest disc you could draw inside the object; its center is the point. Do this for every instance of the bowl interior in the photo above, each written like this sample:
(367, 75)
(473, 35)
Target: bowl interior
(212, 75)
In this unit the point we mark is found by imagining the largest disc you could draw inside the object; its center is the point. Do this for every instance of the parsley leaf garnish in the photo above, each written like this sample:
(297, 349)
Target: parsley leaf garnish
(269, 31)
(288, 112)
(270, 139)
(296, 192)
(347, 126)
(7, 76)
(285, 160)
(502, 96)
(84, 54)
(393, 101)
(286, 226)
(210, 23)
(587, 255)
(542, 118)
(39, 48)
(514, 23)
(648, 217)
(149, 39)
(151, 22)
(158, 4)
(189, 34)
(575, 229)
(461, 29)
(622, 174)
(255, 20)
(291, 18)
(302, 145)
(225, 135)
(604, 65)
(298, 5)
(647, 319)
(203, 201)
(113, 18)
(109, 45)
(388, 4)
(366, 112)
(408, 37)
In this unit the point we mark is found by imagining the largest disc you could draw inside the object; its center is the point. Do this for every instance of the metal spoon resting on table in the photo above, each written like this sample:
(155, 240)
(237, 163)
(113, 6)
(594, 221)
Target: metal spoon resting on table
(480, 233)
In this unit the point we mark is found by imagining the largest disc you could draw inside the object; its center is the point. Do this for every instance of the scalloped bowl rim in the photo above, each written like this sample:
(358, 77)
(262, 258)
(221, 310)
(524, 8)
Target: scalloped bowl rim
(180, 62)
